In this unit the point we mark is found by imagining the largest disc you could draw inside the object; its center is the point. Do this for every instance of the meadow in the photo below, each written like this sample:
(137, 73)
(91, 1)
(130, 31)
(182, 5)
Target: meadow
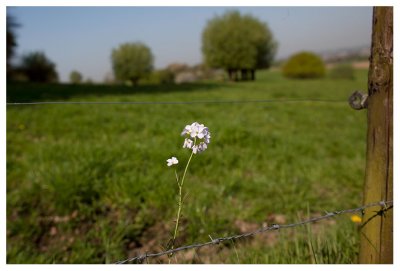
(88, 183)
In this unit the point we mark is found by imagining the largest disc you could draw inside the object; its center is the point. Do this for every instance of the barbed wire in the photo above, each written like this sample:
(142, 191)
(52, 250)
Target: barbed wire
(291, 100)
(140, 258)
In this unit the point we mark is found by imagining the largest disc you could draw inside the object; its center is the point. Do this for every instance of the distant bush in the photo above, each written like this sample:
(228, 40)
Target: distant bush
(38, 68)
(304, 65)
(18, 75)
(162, 77)
(75, 77)
(89, 81)
(342, 71)
(158, 77)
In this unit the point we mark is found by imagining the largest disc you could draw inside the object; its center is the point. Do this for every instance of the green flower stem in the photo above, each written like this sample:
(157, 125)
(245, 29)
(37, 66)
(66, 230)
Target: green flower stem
(180, 185)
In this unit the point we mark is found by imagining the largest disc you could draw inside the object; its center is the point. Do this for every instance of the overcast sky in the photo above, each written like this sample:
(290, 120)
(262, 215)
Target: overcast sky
(82, 38)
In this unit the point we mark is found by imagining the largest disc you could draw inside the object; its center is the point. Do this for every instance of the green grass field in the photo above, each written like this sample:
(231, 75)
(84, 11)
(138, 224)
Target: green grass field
(89, 183)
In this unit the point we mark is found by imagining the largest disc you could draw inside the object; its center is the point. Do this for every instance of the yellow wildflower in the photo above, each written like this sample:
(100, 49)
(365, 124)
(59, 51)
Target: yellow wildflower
(356, 219)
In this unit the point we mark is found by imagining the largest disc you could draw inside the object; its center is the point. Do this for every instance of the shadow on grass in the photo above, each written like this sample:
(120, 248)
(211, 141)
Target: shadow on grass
(34, 92)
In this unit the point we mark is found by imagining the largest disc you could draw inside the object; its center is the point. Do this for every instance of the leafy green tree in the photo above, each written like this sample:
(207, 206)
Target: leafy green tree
(75, 77)
(11, 41)
(238, 42)
(163, 76)
(131, 62)
(38, 68)
(304, 65)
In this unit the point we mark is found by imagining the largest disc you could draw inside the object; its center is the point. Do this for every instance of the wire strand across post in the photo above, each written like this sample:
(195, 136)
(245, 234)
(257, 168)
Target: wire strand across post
(289, 100)
(385, 205)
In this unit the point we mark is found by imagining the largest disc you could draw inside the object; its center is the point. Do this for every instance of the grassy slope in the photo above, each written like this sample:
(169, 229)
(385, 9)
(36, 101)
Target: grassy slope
(89, 183)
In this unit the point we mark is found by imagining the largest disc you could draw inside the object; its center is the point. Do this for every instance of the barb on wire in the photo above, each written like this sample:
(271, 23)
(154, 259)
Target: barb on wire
(179, 102)
(140, 258)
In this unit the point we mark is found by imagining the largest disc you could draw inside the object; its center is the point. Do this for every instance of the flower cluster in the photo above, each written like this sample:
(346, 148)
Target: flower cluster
(197, 137)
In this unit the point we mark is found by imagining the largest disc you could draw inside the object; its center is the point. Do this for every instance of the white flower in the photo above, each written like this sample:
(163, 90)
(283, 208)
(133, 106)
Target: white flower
(195, 130)
(207, 138)
(188, 143)
(205, 134)
(199, 133)
(195, 127)
(172, 161)
(187, 130)
(202, 147)
(199, 148)
(203, 131)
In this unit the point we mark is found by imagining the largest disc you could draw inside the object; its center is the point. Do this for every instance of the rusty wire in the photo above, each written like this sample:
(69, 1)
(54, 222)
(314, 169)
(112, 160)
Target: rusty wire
(384, 207)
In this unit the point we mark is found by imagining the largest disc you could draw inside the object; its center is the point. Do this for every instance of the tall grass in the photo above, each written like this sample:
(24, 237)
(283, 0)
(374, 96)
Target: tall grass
(89, 184)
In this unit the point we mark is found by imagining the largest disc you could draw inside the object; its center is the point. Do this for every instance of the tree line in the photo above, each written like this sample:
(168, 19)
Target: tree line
(238, 44)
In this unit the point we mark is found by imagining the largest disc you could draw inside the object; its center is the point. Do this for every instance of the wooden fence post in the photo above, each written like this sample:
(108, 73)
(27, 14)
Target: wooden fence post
(377, 232)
